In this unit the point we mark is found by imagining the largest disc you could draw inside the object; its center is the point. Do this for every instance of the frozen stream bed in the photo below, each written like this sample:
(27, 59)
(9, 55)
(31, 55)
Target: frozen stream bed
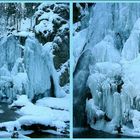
(25, 119)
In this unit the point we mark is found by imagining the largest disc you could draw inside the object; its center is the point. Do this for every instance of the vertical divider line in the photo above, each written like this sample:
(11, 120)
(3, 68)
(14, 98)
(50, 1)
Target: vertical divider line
(71, 68)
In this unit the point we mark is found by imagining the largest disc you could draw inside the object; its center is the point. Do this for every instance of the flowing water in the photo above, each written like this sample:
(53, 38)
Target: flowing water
(91, 133)
(6, 114)
(45, 135)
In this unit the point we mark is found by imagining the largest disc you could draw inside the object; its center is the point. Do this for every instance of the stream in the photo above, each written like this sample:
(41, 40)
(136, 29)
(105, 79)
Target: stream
(45, 135)
(91, 133)
(7, 114)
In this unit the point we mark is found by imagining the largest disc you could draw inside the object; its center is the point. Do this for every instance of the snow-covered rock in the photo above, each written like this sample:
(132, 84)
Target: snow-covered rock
(50, 116)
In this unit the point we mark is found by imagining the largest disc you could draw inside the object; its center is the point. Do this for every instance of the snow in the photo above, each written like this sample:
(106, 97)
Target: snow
(52, 132)
(22, 101)
(46, 19)
(10, 125)
(24, 33)
(56, 103)
(5, 134)
(44, 26)
(25, 24)
(42, 110)
(39, 113)
(49, 16)
(63, 67)
(65, 26)
(47, 121)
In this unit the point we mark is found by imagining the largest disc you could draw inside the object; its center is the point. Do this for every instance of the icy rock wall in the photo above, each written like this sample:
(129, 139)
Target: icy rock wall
(113, 17)
(112, 77)
(80, 88)
(10, 51)
(27, 70)
(38, 73)
(13, 80)
(40, 70)
(132, 45)
(105, 86)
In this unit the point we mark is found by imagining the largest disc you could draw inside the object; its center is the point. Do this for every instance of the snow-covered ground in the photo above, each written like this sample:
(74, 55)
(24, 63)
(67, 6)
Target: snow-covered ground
(55, 103)
(55, 116)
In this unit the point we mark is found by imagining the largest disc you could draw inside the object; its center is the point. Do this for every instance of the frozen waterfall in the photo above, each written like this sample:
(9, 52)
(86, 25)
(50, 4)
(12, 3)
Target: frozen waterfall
(110, 71)
(27, 69)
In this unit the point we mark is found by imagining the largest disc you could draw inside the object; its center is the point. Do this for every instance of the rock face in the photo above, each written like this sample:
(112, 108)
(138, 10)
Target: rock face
(81, 14)
(111, 78)
(52, 25)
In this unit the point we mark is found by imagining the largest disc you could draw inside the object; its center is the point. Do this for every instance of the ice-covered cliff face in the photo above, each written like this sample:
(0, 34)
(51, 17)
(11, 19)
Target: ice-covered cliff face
(118, 18)
(34, 57)
(112, 74)
(34, 68)
(27, 70)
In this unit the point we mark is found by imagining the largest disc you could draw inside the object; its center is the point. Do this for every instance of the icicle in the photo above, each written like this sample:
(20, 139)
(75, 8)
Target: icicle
(117, 109)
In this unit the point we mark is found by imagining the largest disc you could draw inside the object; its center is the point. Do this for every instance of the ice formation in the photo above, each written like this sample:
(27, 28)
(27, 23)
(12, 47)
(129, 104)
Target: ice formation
(27, 71)
(112, 75)
(34, 69)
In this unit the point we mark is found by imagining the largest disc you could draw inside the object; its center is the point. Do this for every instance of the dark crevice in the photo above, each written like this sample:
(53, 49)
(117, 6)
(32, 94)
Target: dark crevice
(38, 127)
(119, 87)
(52, 92)
(107, 118)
